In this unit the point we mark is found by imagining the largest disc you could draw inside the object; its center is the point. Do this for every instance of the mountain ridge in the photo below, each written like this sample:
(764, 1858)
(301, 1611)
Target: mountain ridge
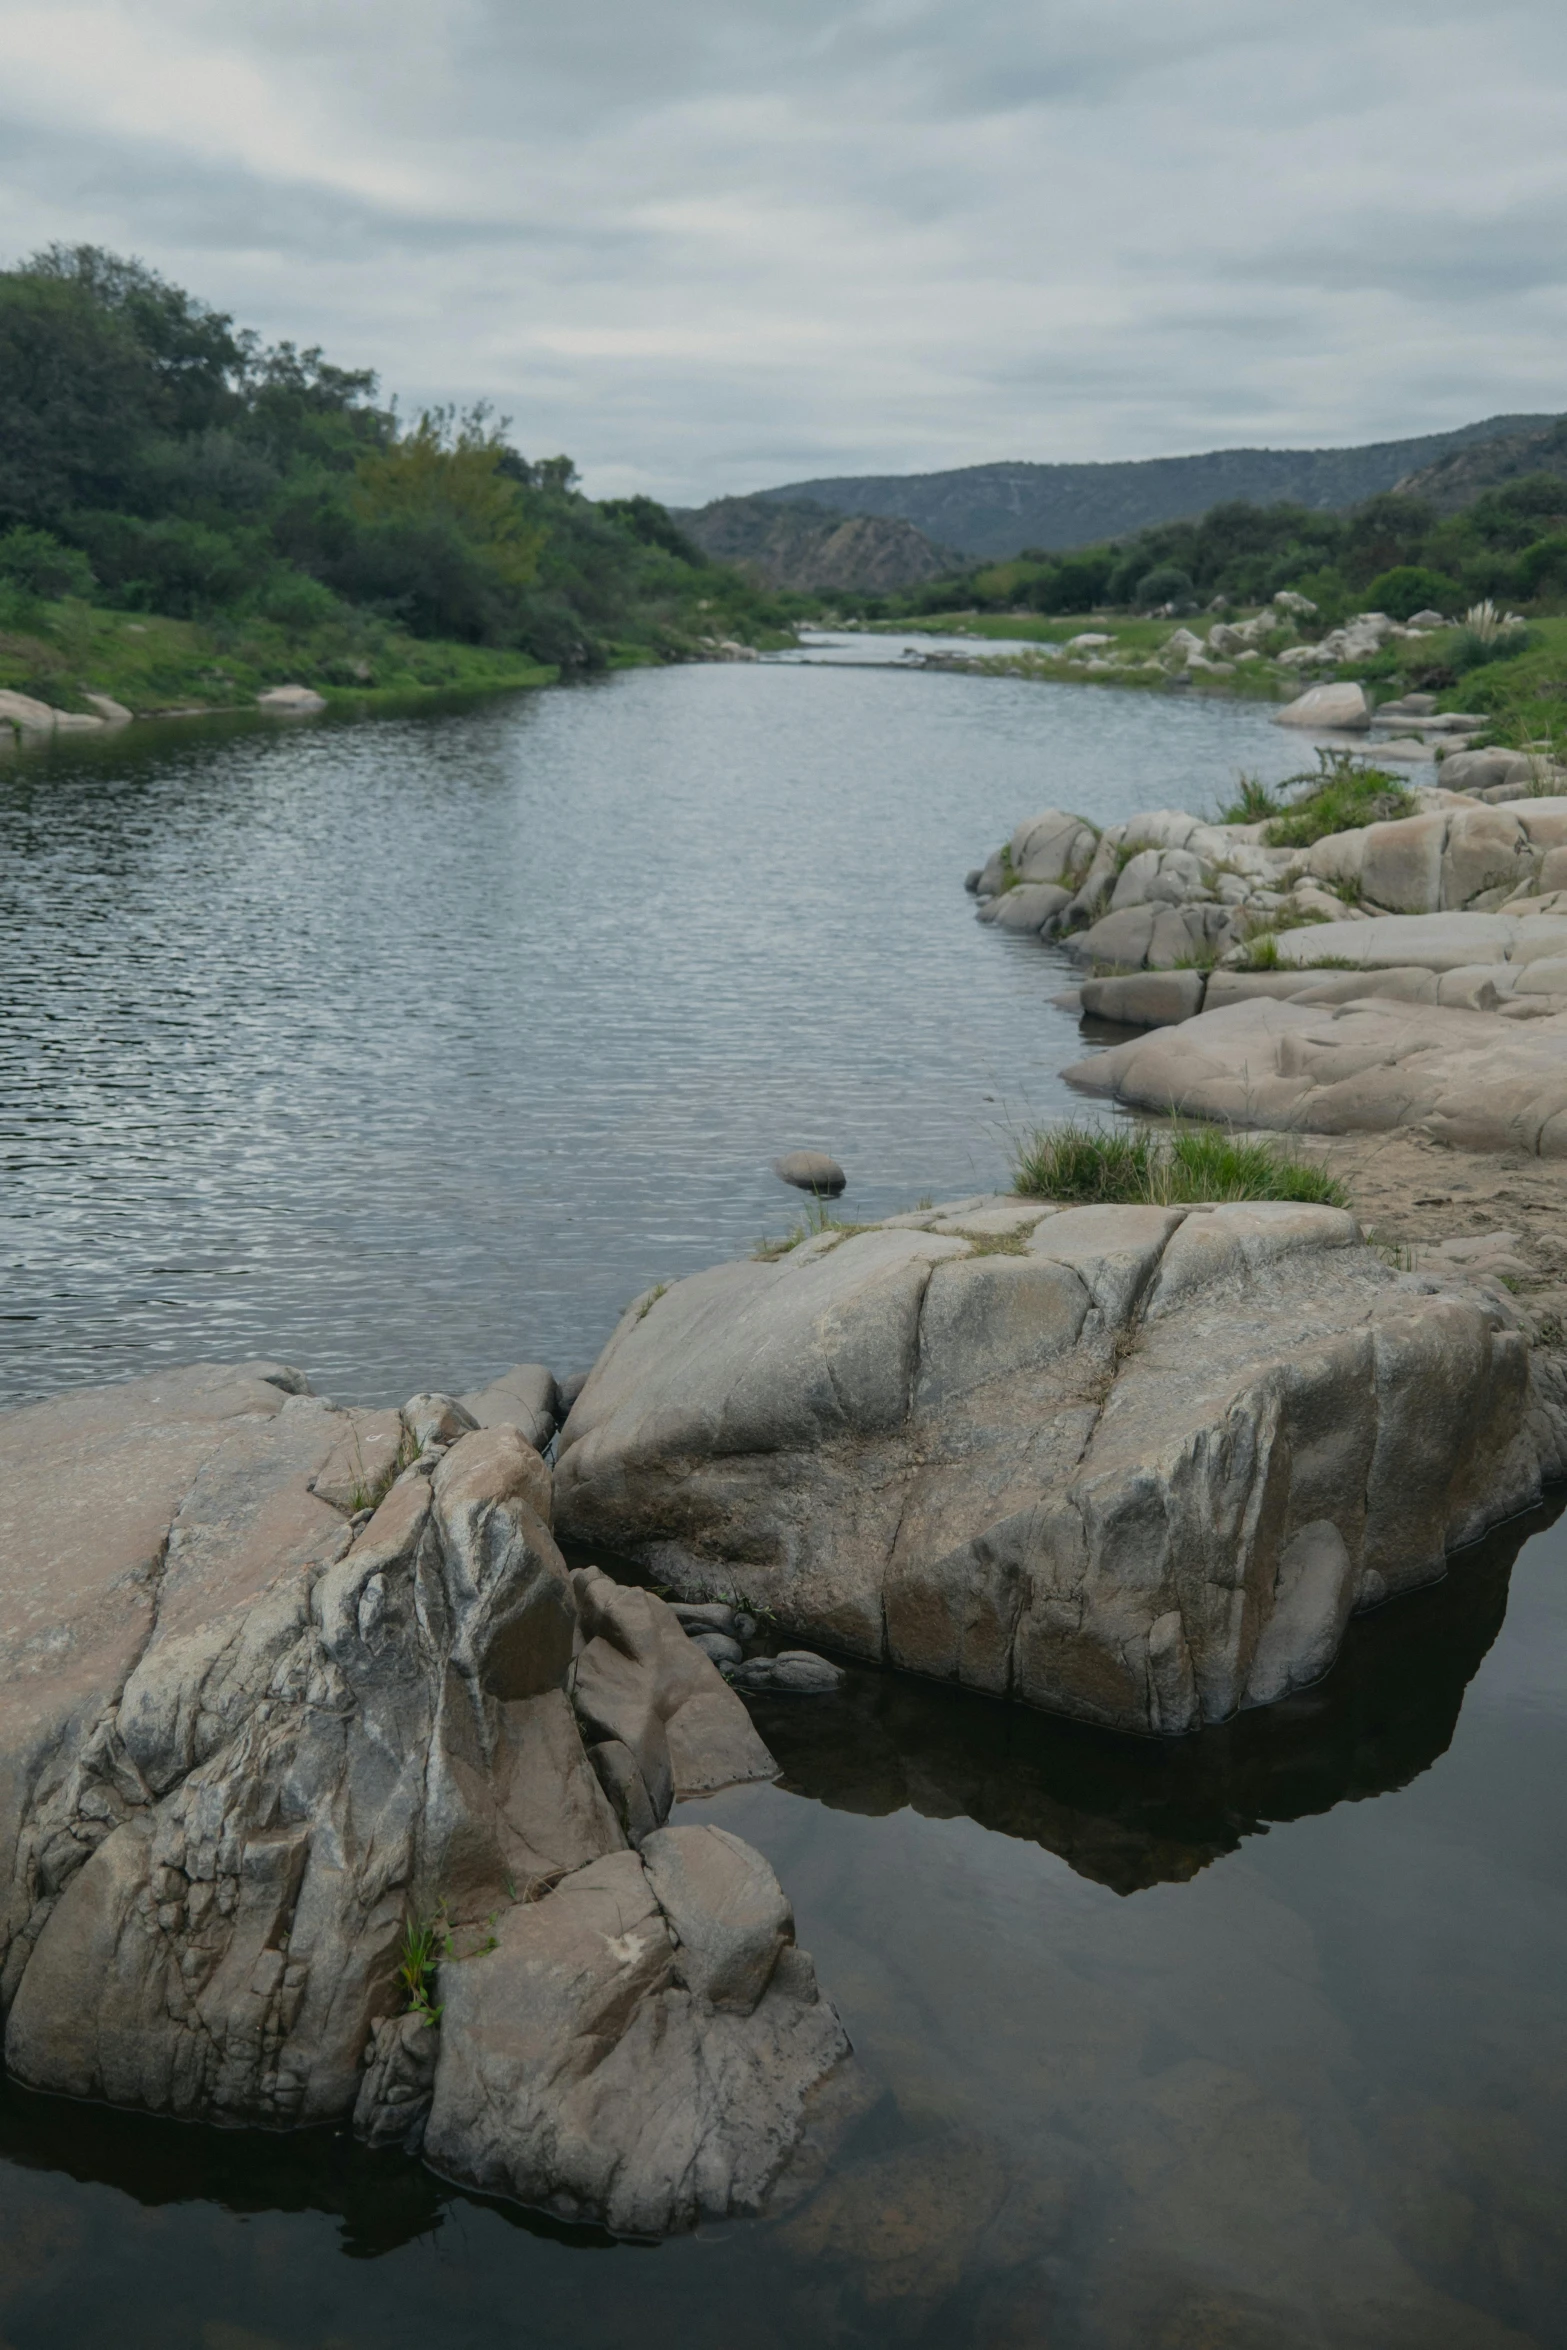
(996, 509)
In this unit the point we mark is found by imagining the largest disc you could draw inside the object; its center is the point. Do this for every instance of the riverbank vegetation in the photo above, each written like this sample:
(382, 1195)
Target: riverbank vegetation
(187, 513)
(1094, 1165)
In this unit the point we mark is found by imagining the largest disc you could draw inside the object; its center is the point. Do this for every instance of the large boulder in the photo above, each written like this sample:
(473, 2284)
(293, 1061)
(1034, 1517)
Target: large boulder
(1336, 707)
(248, 1740)
(1135, 1464)
(1363, 1065)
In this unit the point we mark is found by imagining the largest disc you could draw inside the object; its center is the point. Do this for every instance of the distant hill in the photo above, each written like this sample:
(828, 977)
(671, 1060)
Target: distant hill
(799, 544)
(991, 510)
(1457, 479)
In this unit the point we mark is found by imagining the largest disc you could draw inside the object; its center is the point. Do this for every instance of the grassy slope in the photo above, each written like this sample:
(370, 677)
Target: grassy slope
(61, 651)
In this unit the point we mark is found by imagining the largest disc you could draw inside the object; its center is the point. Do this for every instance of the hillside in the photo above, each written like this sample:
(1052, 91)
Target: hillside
(158, 460)
(814, 550)
(1457, 479)
(995, 510)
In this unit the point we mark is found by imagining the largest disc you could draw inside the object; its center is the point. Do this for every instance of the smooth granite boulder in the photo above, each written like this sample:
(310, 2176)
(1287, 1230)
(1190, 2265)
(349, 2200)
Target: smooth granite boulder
(1362, 1066)
(1135, 1464)
(584, 2067)
(247, 1741)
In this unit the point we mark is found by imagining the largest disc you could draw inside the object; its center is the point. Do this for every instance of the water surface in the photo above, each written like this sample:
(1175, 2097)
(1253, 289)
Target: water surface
(410, 1049)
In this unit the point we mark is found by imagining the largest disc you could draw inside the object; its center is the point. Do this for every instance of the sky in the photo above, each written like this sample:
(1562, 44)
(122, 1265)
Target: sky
(715, 246)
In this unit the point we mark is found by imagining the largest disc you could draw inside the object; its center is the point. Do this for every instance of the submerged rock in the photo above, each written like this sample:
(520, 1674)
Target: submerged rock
(245, 1747)
(1135, 1464)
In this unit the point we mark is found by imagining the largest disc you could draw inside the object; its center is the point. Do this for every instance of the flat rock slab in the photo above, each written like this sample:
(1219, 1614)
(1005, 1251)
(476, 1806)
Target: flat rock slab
(1368, 1065)
(1134, 1464)
(1438, 942)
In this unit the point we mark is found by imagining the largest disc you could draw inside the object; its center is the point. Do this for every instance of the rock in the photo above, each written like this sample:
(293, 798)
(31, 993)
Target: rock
(640, 1681)
(436, 1419)
(972, 879)
(524, 1397)
(1341, 707)
(394, 2099)
(719, 1647)
(703, 1615)
(1427, 619)
(1363, 1066)
(1287, 600)
(727, 1910)
(811, 1171)
(1056, 846)
(291, 701)
(569, 1390)
(31, 715)
(1438, 942)
(112, 712)
(794, 1672)
(582, 2071)
(1027, 907)
(1085, 1472)
(1150, 999)
(362, 1463)
(243, 1748)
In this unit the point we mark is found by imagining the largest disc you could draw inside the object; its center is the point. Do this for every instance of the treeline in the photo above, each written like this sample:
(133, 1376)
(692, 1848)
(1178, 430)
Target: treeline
(1394, 554)
(155, 457)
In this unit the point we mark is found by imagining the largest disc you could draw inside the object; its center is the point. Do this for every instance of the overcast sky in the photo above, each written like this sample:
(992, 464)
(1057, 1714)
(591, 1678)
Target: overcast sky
(719, 244)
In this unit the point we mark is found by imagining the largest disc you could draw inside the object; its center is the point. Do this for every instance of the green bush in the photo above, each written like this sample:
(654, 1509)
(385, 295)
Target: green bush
(1167, 583)
(35, 562)
(1410, 588)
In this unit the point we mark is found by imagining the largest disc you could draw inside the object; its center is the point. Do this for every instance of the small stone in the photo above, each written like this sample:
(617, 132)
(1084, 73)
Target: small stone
(720, 1647)
(811, 1171)
(796, 1672)
(704, 1615)
(436, 1420)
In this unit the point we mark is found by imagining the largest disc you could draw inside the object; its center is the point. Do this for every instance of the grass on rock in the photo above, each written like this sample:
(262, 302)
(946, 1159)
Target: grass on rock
(1338, 795)
(1103, 1165)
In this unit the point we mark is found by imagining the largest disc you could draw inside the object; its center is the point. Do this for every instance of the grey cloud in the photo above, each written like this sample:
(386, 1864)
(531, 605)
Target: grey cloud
(710, 244)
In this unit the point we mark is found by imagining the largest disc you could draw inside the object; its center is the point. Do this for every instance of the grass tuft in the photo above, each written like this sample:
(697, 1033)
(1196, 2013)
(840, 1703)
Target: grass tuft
(1094, 1165)
(1338, 796)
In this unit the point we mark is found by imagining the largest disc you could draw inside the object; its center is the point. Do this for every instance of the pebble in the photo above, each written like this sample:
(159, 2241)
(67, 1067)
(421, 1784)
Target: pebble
(797, 1672)
(719, 1647)
(706, 1615)
(811, 1171)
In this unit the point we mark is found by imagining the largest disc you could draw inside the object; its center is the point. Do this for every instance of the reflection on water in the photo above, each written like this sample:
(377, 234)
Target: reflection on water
(1254, 2040)
(1128, 1812)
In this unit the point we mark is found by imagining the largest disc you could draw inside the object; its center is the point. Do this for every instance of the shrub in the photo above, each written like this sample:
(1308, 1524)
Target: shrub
(1252, 803)
(1339, 797)
(35, 562)
(1167, 583)
(1094, 1164)
(1410, 588)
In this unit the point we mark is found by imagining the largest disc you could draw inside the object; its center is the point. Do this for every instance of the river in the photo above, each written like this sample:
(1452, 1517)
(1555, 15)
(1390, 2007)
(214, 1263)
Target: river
(412, 1047)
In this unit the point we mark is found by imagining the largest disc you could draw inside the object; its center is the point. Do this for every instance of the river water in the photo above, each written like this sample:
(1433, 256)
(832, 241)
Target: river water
(409, 1048)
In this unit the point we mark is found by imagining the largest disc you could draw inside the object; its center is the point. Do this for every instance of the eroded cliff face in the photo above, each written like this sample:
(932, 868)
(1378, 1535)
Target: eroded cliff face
(1133, 1464)
(252, 1729)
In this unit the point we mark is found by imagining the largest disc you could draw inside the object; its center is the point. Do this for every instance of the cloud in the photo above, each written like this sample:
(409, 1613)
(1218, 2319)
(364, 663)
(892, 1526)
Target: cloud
(711, 246)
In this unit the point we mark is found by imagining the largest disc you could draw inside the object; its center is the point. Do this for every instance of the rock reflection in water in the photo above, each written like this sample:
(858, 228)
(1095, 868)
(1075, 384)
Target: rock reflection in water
(1133, 1812)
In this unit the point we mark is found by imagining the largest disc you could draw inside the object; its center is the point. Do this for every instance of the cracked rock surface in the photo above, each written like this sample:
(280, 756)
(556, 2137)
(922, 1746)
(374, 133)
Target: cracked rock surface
(1133, 1464)
(252, 1730)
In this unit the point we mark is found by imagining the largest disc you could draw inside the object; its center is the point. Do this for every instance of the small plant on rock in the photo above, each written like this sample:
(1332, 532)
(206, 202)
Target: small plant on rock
(417, 1966)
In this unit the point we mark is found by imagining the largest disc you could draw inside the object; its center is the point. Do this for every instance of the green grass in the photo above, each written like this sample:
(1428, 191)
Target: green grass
(814, 1221)
(418, 1963)
(1091, 1165)
(60, 652)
